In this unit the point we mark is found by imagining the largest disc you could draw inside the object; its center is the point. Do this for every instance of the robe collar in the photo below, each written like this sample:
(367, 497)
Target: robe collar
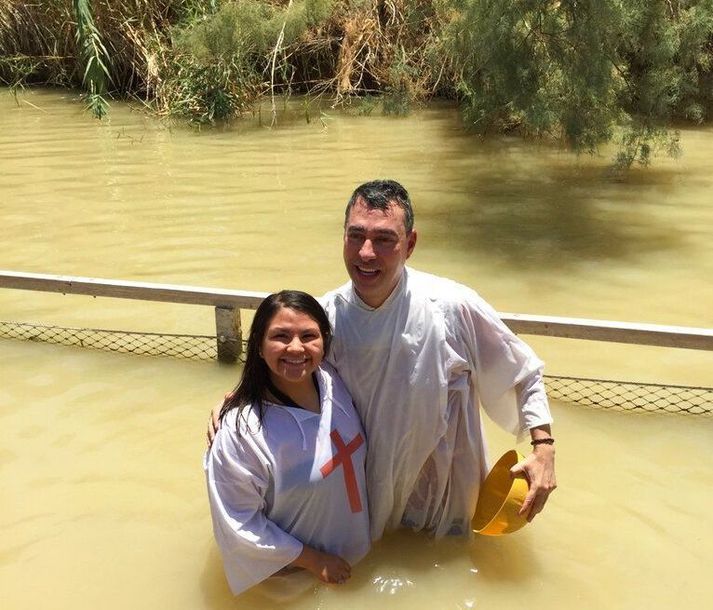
(396, 293)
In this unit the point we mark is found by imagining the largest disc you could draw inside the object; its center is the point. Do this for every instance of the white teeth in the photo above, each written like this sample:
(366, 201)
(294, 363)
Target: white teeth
(367, 271)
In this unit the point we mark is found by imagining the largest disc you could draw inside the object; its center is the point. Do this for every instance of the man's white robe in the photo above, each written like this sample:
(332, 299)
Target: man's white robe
(417, 367)
(297, 478)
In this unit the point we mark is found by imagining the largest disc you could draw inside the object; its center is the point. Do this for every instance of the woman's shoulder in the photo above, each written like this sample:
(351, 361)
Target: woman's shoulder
(240, 418)
(240, 430)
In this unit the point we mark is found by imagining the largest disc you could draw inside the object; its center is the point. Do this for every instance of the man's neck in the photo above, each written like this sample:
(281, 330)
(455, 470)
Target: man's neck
(374, 304)
(379, 301)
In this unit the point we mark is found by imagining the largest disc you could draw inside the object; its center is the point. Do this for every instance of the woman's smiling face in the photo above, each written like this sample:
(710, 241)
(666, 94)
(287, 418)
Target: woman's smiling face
(292, 348)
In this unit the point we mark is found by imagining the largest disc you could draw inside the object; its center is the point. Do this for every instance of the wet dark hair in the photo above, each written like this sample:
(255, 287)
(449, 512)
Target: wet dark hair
(252, 387)
(379, 195)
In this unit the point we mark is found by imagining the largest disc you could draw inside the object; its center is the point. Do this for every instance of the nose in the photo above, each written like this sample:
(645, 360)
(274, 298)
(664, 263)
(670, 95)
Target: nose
(295, 344)
(366, 252)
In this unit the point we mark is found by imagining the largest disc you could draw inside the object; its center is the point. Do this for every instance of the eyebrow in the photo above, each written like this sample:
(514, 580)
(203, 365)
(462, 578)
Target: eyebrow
(381, 232)
(285, 329)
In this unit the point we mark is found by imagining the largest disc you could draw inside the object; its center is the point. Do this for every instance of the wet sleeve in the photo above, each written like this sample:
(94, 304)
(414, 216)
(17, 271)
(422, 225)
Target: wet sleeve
(508, 374)
(252, 546)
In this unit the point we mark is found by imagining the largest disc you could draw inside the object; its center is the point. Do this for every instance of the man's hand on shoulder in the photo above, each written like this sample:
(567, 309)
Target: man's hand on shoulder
(214, 421)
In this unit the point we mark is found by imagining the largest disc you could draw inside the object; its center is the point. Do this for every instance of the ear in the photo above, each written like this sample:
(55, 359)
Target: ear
(411, 243)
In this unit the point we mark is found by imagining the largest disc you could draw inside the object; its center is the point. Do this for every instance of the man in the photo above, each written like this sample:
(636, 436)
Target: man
(419, 354)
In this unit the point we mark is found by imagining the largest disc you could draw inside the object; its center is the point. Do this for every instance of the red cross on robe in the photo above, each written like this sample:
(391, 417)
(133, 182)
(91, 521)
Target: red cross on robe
(343, 457)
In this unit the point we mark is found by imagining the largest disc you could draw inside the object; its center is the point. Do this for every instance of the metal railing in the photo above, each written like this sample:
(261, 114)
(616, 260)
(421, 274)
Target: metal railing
(226, 302)
(227, 344)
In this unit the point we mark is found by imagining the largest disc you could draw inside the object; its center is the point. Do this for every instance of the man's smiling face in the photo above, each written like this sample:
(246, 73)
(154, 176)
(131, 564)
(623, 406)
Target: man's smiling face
(376, 247)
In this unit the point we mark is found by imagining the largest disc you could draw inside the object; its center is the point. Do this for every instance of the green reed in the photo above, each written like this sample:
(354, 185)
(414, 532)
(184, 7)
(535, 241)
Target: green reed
(95, 57)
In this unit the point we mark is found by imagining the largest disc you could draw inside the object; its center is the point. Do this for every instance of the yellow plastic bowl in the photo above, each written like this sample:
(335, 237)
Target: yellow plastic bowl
(500, 499)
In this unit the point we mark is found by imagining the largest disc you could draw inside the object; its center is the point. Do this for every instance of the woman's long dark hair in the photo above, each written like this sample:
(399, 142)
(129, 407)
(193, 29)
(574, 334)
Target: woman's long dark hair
(252, 387)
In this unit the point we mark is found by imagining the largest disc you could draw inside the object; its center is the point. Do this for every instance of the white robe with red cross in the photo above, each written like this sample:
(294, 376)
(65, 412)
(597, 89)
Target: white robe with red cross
(418, 368)
(296, 479)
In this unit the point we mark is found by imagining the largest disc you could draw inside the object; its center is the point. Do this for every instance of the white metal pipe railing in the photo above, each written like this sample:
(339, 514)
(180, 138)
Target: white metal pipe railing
(227, 301)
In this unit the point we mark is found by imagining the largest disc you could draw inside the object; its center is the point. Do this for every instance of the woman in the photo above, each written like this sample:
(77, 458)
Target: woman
(286, 470)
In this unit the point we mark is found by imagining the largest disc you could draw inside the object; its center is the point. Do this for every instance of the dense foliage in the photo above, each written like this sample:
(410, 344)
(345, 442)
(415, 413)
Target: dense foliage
(576, 69)
(579, 71)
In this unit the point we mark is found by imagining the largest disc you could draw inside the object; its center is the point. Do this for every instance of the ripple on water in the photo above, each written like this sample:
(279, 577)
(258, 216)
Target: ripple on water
(391, 585)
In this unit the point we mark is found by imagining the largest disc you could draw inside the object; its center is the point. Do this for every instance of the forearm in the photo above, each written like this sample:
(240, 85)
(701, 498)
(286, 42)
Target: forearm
(532, 403)
(306, 559)
(543, 448)
(541, 433)
(539, 467)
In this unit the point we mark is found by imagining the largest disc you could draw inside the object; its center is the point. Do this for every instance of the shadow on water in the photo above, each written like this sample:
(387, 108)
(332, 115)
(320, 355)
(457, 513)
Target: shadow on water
(529, 207)
(504, 559)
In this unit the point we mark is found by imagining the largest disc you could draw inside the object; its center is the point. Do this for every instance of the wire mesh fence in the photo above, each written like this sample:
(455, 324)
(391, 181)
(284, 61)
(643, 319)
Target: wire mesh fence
(628, 396)
(598, 393)
(192, 347)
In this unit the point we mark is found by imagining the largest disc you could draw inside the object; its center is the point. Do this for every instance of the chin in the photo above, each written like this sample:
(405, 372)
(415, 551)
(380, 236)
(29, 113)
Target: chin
(290, 377)
(368, 285)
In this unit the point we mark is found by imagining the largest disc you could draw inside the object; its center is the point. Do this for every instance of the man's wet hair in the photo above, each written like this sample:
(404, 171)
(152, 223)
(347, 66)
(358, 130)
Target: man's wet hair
(379, 195)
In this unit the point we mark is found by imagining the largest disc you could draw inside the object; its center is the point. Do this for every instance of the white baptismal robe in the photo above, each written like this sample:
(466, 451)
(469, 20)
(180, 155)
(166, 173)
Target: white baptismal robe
(297, 478)
(417, 368)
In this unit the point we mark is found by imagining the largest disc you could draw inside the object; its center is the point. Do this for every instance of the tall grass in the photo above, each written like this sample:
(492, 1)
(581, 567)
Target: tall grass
(212, 60)
(36, 43)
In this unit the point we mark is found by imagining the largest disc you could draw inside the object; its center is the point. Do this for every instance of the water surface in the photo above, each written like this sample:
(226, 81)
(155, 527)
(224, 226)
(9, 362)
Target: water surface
(104, 502)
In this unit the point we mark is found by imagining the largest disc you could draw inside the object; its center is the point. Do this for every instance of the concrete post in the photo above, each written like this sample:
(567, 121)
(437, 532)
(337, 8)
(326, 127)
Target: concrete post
(228, 334)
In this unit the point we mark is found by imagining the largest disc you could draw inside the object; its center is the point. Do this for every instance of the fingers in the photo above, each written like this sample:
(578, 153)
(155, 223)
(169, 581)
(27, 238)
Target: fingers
(338, 578)
(518, 471)
(534, 503)
(214, 420)
(527, 504)
(210, 432)
(336, 571)
(536, 499)
(341, 577)
(541, 481)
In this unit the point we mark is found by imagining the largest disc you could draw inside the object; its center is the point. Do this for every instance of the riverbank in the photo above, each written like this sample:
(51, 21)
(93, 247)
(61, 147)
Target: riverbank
(582, 73)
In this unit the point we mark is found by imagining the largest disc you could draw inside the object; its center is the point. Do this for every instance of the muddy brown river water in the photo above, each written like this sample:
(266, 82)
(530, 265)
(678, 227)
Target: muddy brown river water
(103, 501)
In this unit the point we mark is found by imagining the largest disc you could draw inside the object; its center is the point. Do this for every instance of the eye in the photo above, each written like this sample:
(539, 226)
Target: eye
(384, 241)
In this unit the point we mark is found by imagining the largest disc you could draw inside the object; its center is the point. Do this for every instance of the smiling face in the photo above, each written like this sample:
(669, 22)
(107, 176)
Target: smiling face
(376, 247)
(292, 348)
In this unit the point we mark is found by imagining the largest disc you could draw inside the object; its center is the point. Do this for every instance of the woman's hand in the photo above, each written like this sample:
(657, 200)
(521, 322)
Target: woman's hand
(326, 567)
